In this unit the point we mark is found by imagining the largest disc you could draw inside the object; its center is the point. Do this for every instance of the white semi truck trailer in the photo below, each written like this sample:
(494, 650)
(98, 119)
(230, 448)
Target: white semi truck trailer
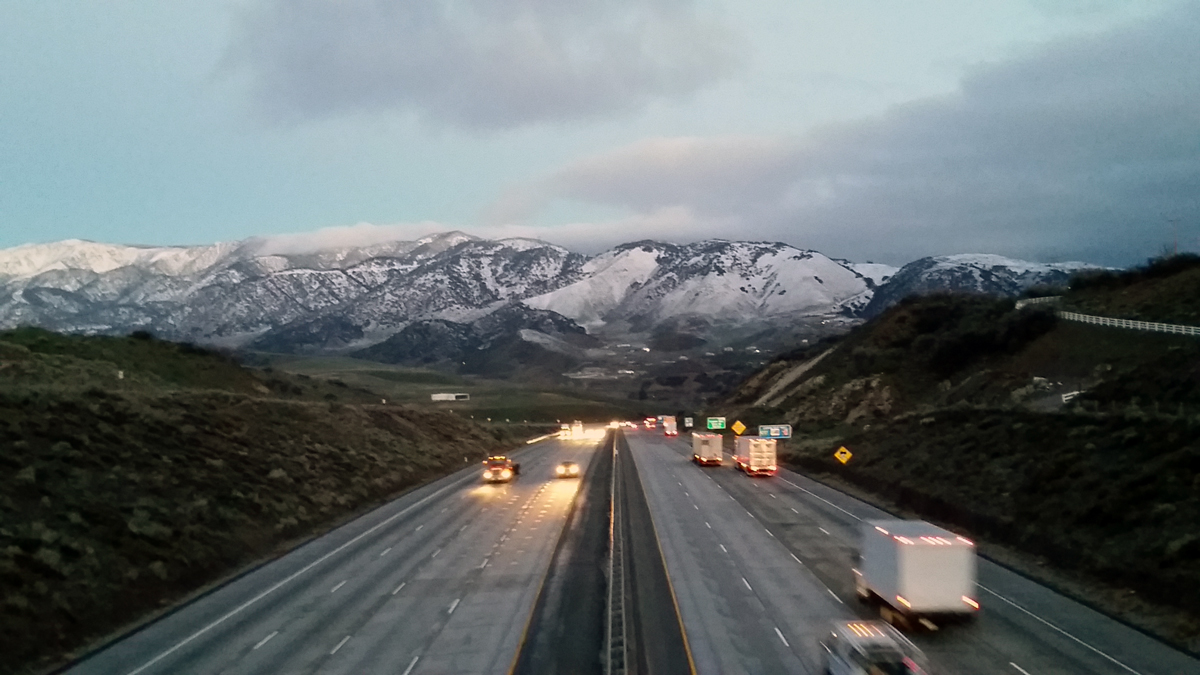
(754, 456)
(918, 573)
(706, 449)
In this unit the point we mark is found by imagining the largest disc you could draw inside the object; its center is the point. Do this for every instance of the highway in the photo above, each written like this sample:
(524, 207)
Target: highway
(442, 580)
(760, 566)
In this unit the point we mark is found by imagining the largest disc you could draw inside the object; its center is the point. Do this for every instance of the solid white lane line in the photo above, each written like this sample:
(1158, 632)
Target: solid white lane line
(340, 584)
(747, 584)
(399, 587)
(723, 549)
(453, 605)
(1047, 623)
(824, 530)
(385, 551)
(339, 645)
(785, 642)
(435, 553)
(412, 664)
(264, 640)
(1019, 668)
(835, 597)
(822, 499)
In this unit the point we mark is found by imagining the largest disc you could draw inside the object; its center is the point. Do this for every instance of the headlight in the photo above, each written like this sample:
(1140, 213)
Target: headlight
(574, 470)
(506, 474)
(560, 470)
(487, 474)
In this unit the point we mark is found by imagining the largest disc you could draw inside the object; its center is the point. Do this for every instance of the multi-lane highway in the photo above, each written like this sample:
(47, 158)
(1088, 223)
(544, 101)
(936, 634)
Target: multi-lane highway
(760, 566)
(442, 580)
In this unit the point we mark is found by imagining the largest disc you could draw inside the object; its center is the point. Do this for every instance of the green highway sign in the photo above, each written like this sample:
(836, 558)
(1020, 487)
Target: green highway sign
(716, 423)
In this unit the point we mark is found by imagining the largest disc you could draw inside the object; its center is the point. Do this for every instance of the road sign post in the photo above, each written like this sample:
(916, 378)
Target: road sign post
(775, 430)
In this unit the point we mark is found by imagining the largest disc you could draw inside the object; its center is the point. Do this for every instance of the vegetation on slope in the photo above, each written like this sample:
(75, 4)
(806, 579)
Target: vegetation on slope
(953, 407)
(134, 472)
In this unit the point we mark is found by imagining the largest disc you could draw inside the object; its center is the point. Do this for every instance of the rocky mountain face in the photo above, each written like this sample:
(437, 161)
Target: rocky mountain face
(451, 297)
(968, 273)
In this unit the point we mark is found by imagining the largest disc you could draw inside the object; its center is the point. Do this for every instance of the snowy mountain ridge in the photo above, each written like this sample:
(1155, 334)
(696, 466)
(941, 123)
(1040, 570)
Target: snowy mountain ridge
(284, 294)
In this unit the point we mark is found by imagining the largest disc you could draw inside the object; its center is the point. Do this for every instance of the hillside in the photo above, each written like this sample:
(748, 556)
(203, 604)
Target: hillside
(134, 472)
(953, 407)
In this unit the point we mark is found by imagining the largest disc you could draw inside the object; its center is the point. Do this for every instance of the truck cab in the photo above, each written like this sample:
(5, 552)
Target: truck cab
(871, 648)
(499, 469)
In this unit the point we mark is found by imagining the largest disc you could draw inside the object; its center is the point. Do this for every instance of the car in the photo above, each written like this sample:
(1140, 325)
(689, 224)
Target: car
(567, 470)
(871, 648)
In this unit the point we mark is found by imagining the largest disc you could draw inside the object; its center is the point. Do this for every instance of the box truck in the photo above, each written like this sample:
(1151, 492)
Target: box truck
(754, 456)
(706, 449)
(669, 428)
(917, 572)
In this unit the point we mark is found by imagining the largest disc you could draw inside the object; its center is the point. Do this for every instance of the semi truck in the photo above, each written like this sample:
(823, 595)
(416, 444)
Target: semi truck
(754, 456)
(499, 469)
(916, 572)
(706, 449)
(669, 428)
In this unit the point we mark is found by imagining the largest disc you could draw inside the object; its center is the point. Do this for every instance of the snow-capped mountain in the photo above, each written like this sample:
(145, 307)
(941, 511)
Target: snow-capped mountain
(645, 284)
(970, 273)
(277, 295)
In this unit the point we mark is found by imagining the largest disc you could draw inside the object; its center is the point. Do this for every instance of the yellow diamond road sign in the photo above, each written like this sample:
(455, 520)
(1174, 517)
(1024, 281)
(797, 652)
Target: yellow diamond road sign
(738, 427)
(843, 455)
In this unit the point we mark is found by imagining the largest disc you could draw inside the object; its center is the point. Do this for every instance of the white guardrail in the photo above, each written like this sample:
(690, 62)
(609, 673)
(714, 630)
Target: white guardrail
(1108, 321)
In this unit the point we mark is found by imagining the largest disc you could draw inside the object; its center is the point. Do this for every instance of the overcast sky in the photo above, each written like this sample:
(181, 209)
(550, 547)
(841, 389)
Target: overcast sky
(877, 130)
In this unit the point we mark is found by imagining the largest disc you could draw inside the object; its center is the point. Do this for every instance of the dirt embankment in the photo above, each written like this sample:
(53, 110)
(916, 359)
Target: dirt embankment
(117, 501)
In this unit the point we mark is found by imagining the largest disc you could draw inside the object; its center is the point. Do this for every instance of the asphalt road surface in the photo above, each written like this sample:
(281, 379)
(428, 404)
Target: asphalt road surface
(442, 580)
(760, 566)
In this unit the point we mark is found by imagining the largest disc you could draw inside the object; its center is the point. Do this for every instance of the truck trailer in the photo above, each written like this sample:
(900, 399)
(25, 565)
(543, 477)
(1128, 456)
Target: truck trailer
(669, 428)
(754, 456)
(706, 449)
(916, 572)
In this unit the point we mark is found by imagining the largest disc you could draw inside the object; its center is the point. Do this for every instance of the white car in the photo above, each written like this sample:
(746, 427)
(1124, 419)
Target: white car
(871, 648)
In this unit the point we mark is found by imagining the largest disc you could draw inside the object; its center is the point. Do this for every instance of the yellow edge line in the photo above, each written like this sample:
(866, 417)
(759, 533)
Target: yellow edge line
(512, 668)
(687, 646)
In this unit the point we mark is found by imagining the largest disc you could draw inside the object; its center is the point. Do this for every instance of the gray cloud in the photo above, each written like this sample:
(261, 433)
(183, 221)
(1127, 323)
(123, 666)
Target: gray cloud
(1084, 149)
(477, 63)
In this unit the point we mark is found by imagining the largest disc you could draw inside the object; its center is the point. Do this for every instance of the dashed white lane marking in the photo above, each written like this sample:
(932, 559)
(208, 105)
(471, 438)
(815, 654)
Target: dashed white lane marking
(686, 494)
(747, 584)
(339, 645)
(1047, 623)
(835, 597)
(795, 558)
(340, 584)
(435, 553)
(794, 510)
(822, 499)
(411, 664)
(751, 515)
(773, 497)
(264, 640)
(453, 605)
(462, 528)
(768, 533)
(445, 509)
(1019, 668)
(418, 528)
(824, 530)
(483, 564)
(385, 551)
(695, 507)
(399, 587)
(785, 642)
(723, 549)
(707, 525)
